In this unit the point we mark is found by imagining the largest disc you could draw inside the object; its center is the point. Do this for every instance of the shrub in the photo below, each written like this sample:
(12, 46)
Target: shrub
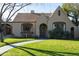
(59, 34)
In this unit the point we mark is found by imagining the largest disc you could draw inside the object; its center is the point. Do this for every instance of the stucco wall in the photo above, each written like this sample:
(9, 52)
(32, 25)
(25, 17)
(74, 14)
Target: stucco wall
(16, 29)
(76, 32)
(54, 18)
(62, 18)
(42, 20)
(33, 29)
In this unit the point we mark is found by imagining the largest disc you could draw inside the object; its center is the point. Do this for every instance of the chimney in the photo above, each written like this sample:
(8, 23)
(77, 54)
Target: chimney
(32, 11)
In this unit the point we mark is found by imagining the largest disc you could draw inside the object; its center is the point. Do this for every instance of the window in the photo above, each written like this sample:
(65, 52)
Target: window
(58, 12)
(26, 27)
(59, 25)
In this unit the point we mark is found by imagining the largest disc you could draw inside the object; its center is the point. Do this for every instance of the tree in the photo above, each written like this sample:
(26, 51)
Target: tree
(12, 9)
(72, 10)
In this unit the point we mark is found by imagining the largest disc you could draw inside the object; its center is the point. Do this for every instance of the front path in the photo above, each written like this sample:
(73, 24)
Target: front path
(8, 47)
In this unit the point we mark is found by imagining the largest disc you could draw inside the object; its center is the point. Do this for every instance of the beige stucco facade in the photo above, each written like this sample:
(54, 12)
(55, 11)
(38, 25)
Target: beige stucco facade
(42, 19)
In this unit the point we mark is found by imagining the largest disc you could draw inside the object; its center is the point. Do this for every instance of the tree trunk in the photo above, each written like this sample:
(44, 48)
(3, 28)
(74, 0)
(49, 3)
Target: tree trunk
(2, 40)
(1, 32)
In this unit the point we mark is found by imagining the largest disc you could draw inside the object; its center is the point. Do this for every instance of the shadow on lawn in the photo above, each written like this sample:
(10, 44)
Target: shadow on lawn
(51, 53)
(18, 48)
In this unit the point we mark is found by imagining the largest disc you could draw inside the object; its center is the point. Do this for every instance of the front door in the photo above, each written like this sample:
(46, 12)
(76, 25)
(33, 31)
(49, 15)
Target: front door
(43, 30)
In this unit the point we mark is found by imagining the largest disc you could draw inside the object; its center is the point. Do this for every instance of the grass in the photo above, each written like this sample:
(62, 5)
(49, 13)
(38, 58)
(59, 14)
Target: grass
(14, 40)
(47, 48)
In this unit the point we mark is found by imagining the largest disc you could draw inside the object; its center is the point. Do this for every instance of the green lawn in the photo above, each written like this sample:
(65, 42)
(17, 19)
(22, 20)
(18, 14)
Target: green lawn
(47, 48)
(14, 40)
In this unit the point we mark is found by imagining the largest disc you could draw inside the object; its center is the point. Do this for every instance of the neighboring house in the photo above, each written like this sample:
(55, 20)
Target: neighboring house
(39, 24)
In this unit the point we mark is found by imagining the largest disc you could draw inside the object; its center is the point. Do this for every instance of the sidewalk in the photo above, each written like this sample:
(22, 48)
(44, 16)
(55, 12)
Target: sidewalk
(8, 47)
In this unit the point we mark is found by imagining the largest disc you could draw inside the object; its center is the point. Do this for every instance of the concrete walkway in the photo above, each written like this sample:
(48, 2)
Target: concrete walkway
(8, 47)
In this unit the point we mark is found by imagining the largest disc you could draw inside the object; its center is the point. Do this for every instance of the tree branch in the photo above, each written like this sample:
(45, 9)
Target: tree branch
(18, 10)
(2, 7)
(11, 11)
(6, 8)
(1, 10)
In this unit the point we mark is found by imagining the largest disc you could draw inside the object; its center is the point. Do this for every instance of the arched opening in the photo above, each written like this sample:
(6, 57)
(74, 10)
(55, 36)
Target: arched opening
(58, 30)
(43, 30)
(7, 29)
(72, 32)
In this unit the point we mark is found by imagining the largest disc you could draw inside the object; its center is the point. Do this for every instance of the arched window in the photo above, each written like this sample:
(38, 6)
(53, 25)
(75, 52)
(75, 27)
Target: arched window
(72, 32)
(59, 13)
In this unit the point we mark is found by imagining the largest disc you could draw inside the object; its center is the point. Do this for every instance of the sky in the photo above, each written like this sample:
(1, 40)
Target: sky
(41, 7)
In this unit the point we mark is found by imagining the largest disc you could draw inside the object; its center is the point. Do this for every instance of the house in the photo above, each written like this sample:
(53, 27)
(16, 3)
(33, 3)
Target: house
(39, 24)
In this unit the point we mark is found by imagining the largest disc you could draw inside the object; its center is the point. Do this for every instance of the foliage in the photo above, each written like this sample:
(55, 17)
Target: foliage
(72, 10)
(59, 34)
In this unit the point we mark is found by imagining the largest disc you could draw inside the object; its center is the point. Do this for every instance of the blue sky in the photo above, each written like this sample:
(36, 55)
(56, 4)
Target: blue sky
(41, 7)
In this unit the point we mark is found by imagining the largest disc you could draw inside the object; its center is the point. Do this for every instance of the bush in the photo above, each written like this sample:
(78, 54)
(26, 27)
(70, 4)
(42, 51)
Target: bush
(59, 34)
